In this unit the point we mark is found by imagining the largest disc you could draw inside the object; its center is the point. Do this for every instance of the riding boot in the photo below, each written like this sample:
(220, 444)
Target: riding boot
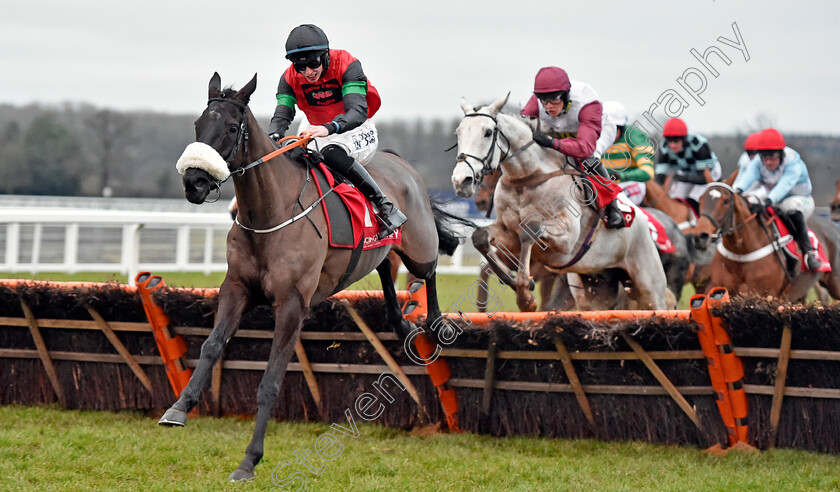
(390, 217)
(800, 235)
(594, 166)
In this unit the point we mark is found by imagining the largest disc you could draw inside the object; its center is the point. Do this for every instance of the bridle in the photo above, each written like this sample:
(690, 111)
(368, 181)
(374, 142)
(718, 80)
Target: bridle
(772, 246)
(728, 216)
(486, 164)
(242, 142)
(242, 133)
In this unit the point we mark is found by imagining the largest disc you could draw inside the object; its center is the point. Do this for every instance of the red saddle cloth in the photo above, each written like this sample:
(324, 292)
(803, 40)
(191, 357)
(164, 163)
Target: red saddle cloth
(658, 234)
(362, 220)
(794, 249)
(690, 206)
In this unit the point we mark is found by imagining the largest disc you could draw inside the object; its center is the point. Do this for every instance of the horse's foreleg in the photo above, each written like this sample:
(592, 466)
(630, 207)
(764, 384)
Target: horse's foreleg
(481, 241)
(288, 316)
(649, 284)
(232, 303)
(523, 283)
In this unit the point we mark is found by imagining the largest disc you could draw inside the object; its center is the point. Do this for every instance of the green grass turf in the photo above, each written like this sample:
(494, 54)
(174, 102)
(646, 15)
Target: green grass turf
(46, 448)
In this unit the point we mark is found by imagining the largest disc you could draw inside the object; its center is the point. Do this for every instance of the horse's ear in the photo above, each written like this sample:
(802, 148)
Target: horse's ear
(498, 104)
(244, 93)
(215, 86)
(466, 106)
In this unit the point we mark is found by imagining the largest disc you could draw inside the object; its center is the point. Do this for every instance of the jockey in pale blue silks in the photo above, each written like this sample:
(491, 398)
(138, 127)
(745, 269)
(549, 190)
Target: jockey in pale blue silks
(784, 184)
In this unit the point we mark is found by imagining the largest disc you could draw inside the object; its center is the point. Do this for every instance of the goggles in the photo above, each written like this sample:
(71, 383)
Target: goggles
(553, 98)
(302, 65)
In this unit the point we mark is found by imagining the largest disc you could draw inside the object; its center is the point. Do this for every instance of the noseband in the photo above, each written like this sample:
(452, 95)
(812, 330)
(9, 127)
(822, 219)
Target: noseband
(729, 216)
(486, 166)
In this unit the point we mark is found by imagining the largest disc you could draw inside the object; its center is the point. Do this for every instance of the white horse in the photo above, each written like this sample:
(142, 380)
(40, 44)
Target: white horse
(542, 214)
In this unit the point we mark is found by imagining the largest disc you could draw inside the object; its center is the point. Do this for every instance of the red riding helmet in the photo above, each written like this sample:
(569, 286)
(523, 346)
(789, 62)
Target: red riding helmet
(751, 143)
(551, 79)
(675, 127)
(770, 139)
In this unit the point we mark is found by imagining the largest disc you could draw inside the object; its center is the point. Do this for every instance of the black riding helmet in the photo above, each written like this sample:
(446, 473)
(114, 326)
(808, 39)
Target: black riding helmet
(308, 42)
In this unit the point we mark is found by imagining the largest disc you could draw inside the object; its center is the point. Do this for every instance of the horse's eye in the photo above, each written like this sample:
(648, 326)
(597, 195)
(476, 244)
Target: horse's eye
(487, 133)
(232, 129)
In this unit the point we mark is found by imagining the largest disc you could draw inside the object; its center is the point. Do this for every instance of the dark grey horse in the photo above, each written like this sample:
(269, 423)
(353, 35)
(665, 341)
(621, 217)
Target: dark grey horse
(291, 267)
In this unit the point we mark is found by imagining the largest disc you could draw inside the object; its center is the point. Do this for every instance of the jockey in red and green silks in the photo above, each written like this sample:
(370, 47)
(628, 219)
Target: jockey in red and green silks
(571, 112)
(331, 89)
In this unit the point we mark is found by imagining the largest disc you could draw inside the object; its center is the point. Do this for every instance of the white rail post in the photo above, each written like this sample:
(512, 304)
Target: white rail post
(12, 246)
(130, 251)
(37, 236)
(182, 248)
(208, 249)
(71, 247)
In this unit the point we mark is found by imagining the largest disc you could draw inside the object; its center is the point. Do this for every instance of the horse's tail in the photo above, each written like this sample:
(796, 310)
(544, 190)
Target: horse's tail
(448, 239)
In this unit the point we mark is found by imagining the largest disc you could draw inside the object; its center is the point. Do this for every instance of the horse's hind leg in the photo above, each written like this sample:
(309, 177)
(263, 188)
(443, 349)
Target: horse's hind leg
(232, 303)
(426, 272)
(288, 316)
(393, 315)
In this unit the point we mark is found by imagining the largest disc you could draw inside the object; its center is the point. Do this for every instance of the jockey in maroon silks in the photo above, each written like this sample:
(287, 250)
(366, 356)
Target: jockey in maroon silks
(331, 89)
(571, 112)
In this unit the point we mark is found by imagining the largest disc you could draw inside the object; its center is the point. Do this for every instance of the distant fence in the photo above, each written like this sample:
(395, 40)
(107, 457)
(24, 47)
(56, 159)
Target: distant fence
(59, 239)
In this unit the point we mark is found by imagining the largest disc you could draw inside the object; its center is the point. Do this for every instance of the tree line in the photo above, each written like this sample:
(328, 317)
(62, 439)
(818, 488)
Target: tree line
(81, 150)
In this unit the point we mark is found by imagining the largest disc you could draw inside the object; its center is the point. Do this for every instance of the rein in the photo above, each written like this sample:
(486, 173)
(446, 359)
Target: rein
(531, 181)
(773, 246)
(728, 217)
(486, 167)
(242, 139)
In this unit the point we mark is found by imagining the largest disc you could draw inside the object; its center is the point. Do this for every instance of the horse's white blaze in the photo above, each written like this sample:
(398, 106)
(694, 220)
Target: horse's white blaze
(203, 156)
(714, 194)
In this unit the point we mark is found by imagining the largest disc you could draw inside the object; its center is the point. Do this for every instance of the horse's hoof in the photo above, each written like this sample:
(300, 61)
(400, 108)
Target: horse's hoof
(173, 418)
(240, 475)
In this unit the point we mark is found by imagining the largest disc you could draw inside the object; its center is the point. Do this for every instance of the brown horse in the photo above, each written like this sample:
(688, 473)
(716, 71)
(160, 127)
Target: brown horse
(835, 204)
(657, 197)
(749, 259)
(291, 268)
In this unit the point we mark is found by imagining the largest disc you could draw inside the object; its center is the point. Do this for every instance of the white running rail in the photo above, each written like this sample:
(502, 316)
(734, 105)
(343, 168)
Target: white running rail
(60, 239)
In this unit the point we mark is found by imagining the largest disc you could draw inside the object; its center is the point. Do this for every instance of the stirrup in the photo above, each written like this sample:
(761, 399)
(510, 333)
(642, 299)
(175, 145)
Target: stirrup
(615, 219)
(812, 261)
(389, 222)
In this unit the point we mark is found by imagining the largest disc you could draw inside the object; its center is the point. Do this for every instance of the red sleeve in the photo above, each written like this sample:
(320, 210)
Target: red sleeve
(532, 108)
(583, 145)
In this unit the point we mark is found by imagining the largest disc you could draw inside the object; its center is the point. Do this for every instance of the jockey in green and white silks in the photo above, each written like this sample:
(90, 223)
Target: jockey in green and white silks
(784, 184)
(629, 159)
(689, 157)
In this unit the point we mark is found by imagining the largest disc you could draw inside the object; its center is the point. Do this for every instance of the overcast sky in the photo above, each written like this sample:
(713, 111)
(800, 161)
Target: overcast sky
(423, 56)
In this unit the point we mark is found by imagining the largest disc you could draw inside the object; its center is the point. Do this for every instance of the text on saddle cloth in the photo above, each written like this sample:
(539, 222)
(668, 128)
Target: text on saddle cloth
(350, 217)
